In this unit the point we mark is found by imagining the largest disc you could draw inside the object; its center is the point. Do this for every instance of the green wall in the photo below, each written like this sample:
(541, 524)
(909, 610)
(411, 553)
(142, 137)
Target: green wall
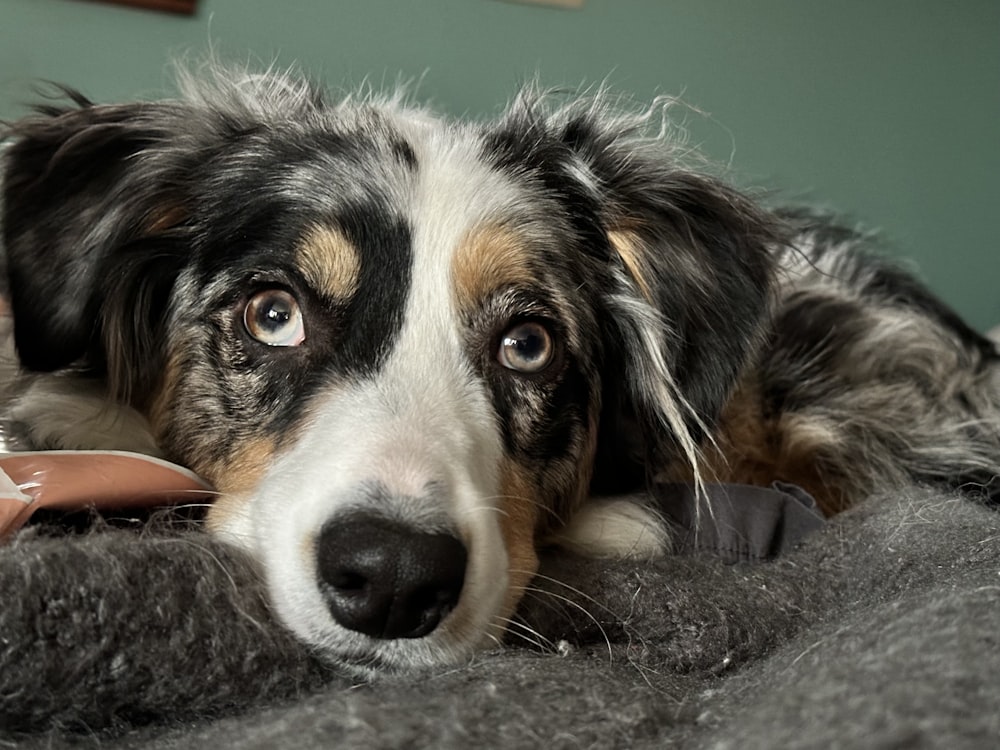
(884, 109)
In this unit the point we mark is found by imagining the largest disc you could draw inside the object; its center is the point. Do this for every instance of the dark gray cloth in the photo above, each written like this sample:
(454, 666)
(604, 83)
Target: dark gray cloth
(739, 522)
(878, 630)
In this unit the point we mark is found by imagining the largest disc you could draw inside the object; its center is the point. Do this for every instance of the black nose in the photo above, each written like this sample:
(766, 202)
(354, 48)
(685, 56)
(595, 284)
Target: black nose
(386, 580)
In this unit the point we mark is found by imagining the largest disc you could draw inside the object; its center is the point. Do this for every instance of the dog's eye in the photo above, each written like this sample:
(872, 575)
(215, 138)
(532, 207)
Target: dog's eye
(273, 317)
(526, 347)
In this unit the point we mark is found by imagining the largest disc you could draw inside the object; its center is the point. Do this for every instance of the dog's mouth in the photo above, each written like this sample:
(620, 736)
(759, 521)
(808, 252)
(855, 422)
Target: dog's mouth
(373, 588)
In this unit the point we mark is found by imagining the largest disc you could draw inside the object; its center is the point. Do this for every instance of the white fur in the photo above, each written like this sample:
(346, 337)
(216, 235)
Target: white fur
(618, 527)
(63, 411)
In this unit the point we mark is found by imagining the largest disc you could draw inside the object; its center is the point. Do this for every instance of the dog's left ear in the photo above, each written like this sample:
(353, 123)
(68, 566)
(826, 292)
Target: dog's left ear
(688, 285)
(80, 198)
(691, 285)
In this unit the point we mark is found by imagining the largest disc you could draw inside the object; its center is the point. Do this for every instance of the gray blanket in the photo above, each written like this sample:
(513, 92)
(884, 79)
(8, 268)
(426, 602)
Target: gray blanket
(878, 631)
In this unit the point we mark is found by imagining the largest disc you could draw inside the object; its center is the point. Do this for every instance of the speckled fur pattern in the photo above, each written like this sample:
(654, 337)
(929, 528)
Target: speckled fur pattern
(865, 381)
(670, 326)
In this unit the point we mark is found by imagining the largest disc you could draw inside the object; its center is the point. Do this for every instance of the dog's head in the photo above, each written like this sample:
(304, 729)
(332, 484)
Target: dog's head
(398, 346)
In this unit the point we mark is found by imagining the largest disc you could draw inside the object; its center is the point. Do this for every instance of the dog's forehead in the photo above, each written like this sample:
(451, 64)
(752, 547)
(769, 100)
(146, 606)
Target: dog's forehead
(470, 226)
(471, 222)
(391, 220)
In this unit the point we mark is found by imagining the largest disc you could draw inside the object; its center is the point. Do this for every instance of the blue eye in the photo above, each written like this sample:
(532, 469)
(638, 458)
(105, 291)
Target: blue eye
(526, 347)
(273, 317)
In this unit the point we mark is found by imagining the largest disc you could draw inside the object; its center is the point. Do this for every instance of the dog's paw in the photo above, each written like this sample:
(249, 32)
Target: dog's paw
(621, 527)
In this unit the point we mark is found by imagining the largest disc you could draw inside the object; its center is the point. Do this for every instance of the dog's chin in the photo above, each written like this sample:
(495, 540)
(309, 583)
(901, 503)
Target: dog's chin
(368, 658)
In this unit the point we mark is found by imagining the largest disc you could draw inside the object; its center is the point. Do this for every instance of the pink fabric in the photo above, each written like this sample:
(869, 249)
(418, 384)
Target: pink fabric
(72, 480)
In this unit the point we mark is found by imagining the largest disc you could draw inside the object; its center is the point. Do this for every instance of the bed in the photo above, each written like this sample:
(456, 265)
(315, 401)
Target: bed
(878, 629)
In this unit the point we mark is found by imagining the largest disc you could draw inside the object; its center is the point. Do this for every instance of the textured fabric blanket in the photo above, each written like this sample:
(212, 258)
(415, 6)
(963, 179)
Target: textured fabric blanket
(878, 631)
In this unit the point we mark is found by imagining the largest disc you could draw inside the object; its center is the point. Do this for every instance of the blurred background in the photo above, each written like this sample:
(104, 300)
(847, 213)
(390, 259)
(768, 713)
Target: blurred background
(885, 110)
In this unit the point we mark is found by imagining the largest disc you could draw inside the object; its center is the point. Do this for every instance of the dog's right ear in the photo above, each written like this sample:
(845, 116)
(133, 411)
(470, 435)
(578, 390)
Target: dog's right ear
(74, 191)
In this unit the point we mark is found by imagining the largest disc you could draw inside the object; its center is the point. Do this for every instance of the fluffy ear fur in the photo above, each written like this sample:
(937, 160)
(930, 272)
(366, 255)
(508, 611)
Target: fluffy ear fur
(691, 275)
(688, 276)
(83, 218)
(691, 287)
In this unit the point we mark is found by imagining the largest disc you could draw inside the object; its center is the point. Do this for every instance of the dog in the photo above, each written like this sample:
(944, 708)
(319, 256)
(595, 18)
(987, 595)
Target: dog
(410, 352)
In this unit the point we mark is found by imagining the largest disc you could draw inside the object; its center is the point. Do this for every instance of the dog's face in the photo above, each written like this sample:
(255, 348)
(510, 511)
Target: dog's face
(398, 346)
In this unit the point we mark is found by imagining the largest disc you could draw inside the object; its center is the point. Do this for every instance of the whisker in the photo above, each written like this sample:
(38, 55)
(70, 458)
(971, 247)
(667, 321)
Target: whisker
(528, 633)
(581, 608)
(488, 508)
(183, 506)
(189, 542)
(193, 491)
(574, 590)
(531, 501)
(630, 633)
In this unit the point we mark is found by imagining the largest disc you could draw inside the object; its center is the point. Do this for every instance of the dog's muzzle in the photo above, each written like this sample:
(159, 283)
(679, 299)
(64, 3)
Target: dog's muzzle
(387, 580)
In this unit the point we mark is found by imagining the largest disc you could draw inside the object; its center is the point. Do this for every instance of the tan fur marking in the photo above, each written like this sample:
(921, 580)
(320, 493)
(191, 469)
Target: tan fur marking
(489, 258)
(158, 407)
(585, 471)
(757, 449)
(519, 516)
(243, 470)
(235, 478)
(164, 218)
(330, 263)
(627, 246)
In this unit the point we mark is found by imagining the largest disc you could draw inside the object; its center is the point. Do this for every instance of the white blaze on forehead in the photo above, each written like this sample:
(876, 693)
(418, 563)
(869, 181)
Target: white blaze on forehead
(428, 370)
(428, 376)
(455, 195)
